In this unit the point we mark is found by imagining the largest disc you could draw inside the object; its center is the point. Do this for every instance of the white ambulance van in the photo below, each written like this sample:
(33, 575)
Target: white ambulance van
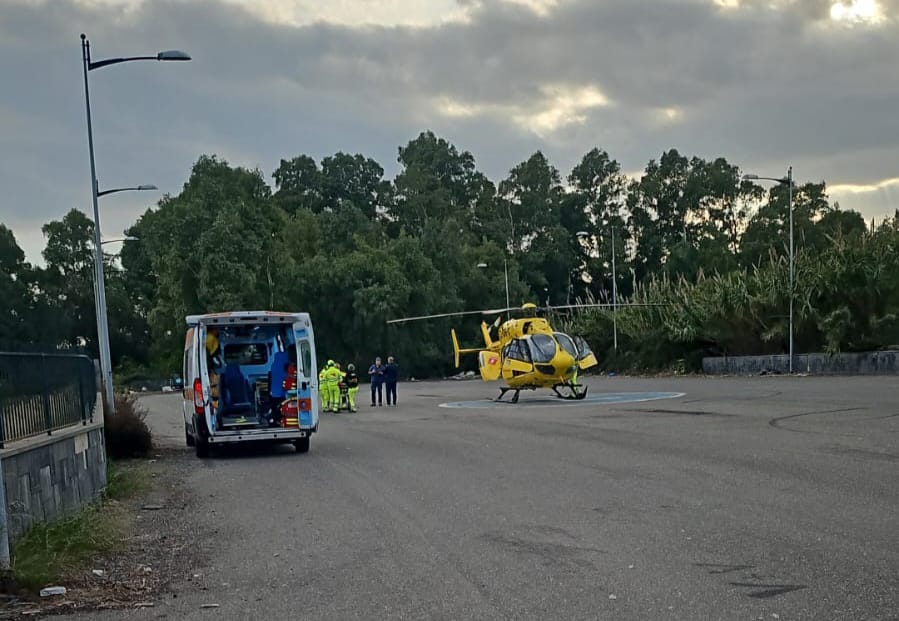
(249, 376)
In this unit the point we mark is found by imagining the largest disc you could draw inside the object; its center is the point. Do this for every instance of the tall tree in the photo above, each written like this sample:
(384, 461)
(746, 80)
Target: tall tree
(14, 290)
(354, 180)
(68, 279)
(437, 182)
(598, 192)
(768, 229)
(211, 247)
(299, 185)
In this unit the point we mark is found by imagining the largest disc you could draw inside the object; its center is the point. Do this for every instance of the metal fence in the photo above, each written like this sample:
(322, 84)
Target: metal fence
(40, 393)
(847, 363)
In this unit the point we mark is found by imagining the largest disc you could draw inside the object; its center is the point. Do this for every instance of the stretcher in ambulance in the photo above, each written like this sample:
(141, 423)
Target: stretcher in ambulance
(249, 376)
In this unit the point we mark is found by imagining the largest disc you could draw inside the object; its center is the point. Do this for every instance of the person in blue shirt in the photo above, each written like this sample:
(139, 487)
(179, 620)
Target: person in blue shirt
(376, 373)
(391, 377)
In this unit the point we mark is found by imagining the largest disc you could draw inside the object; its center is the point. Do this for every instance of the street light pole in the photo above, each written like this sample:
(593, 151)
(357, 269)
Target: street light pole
(506, 270)
(483, 265)
(582, 234)
(792, 290)
(789, 181)
(99, 279)
(614, 294)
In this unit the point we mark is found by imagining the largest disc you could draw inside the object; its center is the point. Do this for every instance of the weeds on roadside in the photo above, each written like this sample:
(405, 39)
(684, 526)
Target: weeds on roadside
(127, 433)
(124, 481)
(48, 550)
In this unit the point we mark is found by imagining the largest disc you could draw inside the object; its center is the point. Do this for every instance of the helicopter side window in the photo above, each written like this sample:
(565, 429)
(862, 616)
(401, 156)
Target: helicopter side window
(582, 347)
(523, 350)
(567, 343)
(543, 348)
(518, 351)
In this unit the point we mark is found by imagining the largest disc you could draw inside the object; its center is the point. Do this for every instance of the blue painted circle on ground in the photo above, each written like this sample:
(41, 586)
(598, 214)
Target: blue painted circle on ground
(550, 401)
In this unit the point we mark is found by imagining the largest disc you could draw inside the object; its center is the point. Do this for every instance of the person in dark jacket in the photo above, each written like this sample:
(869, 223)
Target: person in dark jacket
(391, 377)
(376, 373)
(352, 386)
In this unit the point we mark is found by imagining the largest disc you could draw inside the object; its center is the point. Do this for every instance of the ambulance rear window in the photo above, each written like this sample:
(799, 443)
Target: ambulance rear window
(246, 353)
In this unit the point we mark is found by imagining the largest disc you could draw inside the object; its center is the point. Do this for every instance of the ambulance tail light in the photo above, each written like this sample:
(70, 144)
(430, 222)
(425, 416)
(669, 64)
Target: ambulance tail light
(198, 397)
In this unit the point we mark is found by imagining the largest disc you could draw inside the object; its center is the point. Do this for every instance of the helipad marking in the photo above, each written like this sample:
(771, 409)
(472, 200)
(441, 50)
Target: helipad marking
(599, 399)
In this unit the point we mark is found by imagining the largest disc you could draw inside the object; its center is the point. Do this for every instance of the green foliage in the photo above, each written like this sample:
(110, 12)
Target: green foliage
(48, 550)
(125, 480)
(706, 248)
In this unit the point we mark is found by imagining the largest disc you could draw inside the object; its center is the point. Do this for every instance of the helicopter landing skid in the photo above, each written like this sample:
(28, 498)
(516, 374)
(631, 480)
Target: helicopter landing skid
(504, 390)
(574, 392)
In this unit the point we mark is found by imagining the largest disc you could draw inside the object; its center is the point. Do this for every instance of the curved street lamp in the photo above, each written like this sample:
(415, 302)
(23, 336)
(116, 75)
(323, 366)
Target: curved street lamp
(99, 282)
(138, 188)
(788, 181)
(119, 239)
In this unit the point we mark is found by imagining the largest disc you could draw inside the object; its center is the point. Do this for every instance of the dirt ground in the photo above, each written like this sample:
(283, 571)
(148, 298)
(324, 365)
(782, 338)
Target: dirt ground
(163, 554)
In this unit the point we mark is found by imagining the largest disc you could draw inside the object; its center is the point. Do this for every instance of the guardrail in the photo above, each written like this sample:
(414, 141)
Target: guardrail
(40, 393)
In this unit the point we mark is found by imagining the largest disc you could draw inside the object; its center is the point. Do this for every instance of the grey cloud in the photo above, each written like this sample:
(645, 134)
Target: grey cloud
(762, 88)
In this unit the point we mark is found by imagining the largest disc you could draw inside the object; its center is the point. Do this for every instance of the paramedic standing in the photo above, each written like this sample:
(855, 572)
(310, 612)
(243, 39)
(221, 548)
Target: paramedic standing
(391, 376)
(340, 385)
(323, 389)
(376, 373)
(352, 385)
(332, 378)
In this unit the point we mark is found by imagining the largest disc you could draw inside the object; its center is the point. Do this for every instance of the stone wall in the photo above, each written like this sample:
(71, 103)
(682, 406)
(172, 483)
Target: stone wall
(52, 477)
(864, 363)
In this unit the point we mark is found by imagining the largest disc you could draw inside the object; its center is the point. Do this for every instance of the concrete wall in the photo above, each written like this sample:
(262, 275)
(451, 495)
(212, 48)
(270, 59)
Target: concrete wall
(52, 477)
(865, 363)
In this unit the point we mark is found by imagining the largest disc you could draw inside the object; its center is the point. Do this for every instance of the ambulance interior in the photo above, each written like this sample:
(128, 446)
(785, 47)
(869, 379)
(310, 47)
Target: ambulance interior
(250, 374)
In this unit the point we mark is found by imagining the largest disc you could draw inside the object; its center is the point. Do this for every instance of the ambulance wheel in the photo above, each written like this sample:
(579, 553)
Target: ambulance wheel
(202, 448)
(302, 445)
(189, 439)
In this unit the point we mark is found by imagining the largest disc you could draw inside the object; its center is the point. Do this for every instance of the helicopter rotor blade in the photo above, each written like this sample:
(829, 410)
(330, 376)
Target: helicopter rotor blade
(609, 305)
(439, 315)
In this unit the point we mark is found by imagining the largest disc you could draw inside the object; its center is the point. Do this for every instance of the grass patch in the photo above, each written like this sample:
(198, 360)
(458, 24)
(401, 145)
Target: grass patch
(49, 550)
(124, 480)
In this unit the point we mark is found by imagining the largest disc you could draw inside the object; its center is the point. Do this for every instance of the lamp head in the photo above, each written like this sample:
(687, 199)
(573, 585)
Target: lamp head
(172, 55)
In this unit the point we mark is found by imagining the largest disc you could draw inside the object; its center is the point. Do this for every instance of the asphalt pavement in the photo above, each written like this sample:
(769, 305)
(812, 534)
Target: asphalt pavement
(728, 498)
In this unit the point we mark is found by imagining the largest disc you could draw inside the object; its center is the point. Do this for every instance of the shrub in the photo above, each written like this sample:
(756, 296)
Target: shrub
(127, 433)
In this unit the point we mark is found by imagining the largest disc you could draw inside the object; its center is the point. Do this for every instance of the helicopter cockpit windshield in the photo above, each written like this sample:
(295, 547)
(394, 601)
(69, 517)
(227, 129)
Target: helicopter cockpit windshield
(543, 348)
(566, 343)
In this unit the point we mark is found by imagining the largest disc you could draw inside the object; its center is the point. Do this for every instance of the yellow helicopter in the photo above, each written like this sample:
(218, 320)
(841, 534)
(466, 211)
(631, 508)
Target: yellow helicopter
(528, 354)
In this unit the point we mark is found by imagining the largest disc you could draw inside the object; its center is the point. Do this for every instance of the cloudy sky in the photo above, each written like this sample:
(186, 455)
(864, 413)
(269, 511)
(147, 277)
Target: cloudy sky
(765, 83)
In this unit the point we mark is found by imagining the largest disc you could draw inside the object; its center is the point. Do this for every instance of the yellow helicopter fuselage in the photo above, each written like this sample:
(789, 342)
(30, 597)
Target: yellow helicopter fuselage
(529, 354)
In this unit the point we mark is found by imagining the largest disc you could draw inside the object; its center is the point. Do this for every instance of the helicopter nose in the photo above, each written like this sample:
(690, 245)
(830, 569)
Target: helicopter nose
(564, 363)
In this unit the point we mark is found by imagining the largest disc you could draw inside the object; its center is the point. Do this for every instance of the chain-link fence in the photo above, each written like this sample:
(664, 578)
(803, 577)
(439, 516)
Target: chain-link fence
(42, 392)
